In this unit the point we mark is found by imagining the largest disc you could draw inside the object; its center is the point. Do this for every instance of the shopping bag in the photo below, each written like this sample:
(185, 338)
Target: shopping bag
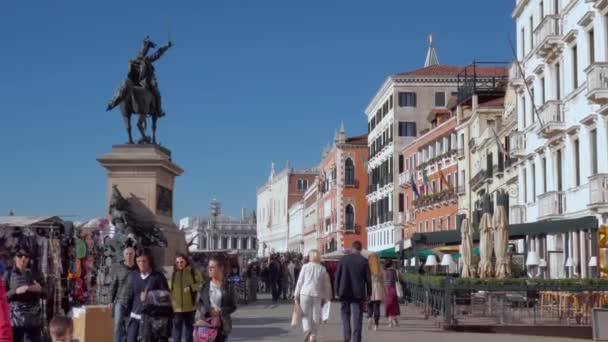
(296, 315)
(399, 289)
(325, 310)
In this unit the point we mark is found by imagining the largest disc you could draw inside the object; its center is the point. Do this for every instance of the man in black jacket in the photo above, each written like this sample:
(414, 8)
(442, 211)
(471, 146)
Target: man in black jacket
(353, 287)
(121, 273)
(144, 325)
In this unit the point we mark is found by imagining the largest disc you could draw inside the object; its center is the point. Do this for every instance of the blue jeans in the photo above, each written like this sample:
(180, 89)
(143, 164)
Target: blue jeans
(352, 319)
(182, 326)
(119, 323)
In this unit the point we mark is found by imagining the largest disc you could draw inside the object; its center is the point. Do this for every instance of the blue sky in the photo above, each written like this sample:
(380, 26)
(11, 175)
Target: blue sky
(247, 82)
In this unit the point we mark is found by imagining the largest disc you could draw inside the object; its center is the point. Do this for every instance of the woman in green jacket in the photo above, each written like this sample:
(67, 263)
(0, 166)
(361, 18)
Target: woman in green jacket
(185, 281)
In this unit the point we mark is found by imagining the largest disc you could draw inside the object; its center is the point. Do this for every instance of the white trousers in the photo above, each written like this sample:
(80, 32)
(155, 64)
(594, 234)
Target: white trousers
(311, 313)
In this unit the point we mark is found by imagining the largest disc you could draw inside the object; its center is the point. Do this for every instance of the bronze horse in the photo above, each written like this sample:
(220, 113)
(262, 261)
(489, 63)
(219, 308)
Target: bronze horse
(139, 93)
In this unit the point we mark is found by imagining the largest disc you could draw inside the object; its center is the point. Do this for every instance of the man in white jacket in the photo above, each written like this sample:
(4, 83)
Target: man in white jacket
(313, 289)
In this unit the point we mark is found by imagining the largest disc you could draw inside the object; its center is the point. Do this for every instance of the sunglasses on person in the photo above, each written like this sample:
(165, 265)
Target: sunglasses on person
(21, 255)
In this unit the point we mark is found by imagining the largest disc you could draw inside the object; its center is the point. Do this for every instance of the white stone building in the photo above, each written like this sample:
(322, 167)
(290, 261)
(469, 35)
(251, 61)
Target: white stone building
(205, 233)
(295, 241)
(274, 199)
(561, 138)
(311, 220)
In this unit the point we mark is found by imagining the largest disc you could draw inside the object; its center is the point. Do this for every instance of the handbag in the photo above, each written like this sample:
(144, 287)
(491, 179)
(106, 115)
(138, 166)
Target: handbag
(208, 332)
(399, 289)
(296, 315)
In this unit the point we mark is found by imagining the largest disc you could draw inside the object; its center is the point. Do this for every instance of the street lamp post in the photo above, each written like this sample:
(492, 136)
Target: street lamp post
(215, 212)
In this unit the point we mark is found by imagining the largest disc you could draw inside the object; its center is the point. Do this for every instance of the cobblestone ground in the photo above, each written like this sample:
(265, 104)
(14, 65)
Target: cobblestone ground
(266, 322)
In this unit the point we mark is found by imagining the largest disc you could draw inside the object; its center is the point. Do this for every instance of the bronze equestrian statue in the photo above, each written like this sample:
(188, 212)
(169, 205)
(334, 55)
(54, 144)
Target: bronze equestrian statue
(139, 94)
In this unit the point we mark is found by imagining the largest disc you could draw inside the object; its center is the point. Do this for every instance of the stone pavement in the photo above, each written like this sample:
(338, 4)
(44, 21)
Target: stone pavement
(267, 322)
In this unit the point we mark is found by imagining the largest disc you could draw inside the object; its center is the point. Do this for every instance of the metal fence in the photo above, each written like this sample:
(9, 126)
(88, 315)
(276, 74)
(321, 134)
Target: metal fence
(451, 304)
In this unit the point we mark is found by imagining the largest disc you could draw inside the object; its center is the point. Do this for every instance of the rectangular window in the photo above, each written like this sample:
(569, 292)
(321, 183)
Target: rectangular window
(420, 227)
(532, 104)
(559, 170)
(591, 42)
(593, 145)
(400, 163)
(544, 170)
(525, 114)
(449, 179)
(575, 67)
(426, 226)
(523, 43)
(440, 99)
(533, 171)
(531, 32)
(407, 129)
(542, 11)
(390, 102)
(401, 203)
(542, 91)
(449, 222)
(525, 186)
(558, 82)
(434, 226)
(577, 160)
(407, 99)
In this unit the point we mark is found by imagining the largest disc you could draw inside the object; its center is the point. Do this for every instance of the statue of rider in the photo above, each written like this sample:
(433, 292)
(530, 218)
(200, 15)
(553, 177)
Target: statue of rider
(141, 73)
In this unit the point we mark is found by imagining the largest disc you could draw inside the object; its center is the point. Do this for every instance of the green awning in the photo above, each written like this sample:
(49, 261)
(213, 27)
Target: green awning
(448, 237)
(552, 227)
(388, 253)
(458, 255)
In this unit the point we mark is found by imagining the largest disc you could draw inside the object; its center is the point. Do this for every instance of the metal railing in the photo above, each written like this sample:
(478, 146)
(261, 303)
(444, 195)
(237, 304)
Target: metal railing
(598, 189)
(552, 203)
(551, 116)
(405, 178)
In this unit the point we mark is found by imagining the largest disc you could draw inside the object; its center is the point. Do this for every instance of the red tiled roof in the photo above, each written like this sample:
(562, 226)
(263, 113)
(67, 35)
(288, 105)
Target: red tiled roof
(453, 70)
(359, 139)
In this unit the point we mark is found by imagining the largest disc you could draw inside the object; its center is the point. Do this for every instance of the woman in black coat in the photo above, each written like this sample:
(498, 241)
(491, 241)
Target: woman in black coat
(216, 301)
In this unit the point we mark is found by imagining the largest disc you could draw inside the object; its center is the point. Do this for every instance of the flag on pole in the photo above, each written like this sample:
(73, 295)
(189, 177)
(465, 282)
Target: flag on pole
(414, 186)
(443, 179)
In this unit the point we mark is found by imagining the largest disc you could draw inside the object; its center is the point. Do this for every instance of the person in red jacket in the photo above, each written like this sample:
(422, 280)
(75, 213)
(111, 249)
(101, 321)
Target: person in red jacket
(6, 332)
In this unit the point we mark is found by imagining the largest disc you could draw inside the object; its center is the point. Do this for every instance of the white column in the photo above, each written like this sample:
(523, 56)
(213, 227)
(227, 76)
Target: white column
(599, 31)
(583, 255)
(602, 141)
(551, 185)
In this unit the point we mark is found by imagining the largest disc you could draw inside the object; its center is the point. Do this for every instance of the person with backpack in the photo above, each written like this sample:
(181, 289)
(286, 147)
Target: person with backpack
(148, 303)
(184, 284)
(24, 292)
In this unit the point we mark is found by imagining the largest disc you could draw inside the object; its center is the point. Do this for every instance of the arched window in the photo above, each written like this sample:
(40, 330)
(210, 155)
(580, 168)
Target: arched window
(349, 172)
(224, 243)
(349, 217)
(234, 243)
(244, 243)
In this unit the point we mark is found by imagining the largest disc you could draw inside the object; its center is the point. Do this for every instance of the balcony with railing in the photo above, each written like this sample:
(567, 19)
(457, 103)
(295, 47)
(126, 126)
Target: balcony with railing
(598, 190)
(405, 179)
(517, 214)
(460, 153)
(478, 180)
(516, 78)
(552, 119)
(517, 144)
(551, 204)
(597, 83)
(459, 189)
(437, 199)
(548, 37)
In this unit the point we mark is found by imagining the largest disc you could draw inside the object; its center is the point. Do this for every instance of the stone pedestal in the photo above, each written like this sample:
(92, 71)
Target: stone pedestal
(145, 175)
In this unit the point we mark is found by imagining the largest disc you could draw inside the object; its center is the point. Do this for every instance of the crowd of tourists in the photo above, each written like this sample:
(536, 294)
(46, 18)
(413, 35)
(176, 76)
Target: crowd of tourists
(360, 284)
(146, 306)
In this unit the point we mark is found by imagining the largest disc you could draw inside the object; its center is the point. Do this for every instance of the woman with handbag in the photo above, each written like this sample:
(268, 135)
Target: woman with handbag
(391, 300)
(24, 292)
(215, 304)
(312, 290)
(373, 312)
(185, 282)
(148, 304)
